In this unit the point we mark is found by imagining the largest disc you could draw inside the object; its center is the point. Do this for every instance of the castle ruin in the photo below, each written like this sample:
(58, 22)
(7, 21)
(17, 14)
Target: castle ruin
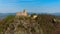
(23, 13)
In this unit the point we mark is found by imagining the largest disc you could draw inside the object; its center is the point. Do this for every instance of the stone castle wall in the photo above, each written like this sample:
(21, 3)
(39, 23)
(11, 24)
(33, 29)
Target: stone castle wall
(24, 13)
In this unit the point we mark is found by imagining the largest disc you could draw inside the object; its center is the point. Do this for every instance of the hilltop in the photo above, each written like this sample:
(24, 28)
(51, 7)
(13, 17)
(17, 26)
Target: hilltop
(42, 24)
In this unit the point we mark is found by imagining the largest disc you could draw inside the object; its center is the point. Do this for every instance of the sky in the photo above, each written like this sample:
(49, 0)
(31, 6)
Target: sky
(36, 6)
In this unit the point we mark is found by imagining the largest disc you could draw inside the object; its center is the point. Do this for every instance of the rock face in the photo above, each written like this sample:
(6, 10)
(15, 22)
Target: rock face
(26, 25)
(23, 27)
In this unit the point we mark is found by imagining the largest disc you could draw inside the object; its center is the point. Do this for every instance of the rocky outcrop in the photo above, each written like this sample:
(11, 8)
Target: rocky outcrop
(26, 25)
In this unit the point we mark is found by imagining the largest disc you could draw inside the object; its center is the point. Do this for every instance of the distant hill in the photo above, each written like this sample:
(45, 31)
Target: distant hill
(2, 15)
(57, 14)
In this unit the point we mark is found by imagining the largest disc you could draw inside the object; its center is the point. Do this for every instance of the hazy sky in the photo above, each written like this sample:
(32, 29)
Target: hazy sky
(45, 6)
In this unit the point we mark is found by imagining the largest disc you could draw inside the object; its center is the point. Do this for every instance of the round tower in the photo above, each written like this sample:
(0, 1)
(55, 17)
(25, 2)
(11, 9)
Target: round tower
(24, 11)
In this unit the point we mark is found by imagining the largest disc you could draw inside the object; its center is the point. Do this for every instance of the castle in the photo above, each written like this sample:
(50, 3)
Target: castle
(23, 13)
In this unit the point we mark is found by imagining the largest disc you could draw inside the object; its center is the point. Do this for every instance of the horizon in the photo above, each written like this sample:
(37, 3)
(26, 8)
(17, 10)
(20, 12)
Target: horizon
(35, 6)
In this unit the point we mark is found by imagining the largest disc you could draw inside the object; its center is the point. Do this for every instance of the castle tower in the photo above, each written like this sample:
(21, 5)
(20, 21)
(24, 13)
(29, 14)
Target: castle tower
(24, 11)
